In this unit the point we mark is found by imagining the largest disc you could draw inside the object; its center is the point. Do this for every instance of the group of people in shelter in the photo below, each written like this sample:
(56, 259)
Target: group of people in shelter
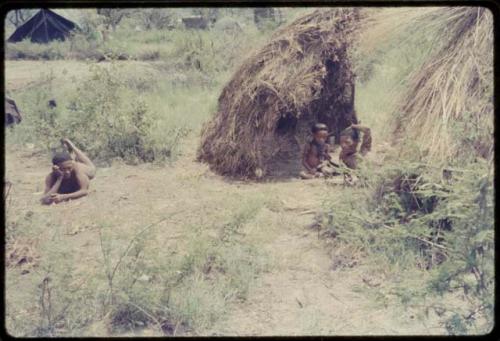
(72, 170)
(317, 159)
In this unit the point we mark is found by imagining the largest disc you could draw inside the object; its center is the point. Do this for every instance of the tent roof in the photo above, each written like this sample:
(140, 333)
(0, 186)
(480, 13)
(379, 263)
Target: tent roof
(43, 27)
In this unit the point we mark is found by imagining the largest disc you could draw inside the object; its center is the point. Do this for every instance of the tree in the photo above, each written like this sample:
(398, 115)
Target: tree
(18, 17)
(261, 15)
(113, 16)
(156, 18)
(209, 14)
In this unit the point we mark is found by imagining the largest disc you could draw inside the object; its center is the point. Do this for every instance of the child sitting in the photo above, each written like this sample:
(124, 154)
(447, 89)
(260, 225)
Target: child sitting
(316, 158)
(349, 141)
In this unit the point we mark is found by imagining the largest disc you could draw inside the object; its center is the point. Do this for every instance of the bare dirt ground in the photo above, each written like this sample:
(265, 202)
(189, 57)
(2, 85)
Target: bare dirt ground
(300, 294)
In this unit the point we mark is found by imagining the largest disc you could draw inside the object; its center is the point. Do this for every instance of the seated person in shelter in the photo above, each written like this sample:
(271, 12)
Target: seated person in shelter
(316, 158)
(349, 141)
(69, 178)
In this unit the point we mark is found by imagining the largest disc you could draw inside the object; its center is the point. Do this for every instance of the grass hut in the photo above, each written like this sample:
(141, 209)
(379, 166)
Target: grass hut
(302, 76)
(448, 109)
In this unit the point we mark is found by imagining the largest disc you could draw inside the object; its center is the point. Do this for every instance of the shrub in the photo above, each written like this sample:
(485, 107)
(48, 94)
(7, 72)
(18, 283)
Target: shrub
(111, 121)
(415, 218)
(106, 114)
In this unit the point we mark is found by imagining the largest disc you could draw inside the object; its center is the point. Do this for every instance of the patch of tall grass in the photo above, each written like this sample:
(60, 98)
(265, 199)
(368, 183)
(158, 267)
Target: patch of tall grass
(435, 226)
(432, 223)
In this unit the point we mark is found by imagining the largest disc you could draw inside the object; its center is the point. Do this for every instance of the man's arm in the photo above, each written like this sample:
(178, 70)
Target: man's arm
(328, 150)
(51, 188)
(307, 150)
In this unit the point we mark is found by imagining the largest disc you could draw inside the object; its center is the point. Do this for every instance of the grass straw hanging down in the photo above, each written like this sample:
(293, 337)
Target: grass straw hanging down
(448, 109)
(288, 78)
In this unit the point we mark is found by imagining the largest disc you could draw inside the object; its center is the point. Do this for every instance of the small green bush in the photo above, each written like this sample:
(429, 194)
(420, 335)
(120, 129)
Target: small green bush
(412, 217)
(107, 115)
(112, 121)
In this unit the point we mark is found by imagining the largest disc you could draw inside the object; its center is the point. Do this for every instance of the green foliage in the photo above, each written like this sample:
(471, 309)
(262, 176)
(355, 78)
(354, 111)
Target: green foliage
(138, 283)
(113, 16)
(174, 45)
(475, 129)
(456, 326)
(110, 121)
(118, 113)
(106, 114)
(42, 125)
(414, 218)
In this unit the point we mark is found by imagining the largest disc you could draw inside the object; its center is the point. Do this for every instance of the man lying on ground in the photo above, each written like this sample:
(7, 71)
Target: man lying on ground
(316, 158)
(69, 178)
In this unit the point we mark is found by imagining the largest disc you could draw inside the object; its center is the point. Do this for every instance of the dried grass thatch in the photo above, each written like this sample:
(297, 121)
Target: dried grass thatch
(265, 112)
(448, 109)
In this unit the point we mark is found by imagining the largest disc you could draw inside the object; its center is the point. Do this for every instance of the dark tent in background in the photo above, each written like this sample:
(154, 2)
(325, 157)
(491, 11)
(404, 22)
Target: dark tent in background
(43, 27)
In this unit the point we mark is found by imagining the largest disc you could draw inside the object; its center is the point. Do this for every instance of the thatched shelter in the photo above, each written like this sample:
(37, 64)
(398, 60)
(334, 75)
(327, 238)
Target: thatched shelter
(302, 76)
(448, 109)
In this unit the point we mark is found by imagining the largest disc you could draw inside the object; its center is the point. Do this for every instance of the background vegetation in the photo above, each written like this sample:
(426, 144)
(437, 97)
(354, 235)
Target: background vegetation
(146, 110)
(146, 86)
(419, 213)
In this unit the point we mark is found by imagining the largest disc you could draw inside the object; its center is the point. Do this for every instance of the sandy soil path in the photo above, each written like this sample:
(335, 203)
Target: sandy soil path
(303, 295)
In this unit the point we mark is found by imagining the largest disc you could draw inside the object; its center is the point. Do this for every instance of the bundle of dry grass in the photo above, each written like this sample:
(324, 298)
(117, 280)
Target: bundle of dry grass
(448, 110)
(264, 113)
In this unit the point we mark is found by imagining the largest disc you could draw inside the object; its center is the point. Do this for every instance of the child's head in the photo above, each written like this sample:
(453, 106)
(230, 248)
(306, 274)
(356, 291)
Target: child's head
(348, 137)
(64, 162)
(320, 132)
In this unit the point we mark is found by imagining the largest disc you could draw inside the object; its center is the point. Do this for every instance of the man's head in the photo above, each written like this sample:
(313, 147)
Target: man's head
(320, 132)
(64, 162)
(349, 137)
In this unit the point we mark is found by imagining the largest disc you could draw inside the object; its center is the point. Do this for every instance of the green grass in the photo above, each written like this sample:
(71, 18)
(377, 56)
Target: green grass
(437, 232)
(136, 282)
(170, 109)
